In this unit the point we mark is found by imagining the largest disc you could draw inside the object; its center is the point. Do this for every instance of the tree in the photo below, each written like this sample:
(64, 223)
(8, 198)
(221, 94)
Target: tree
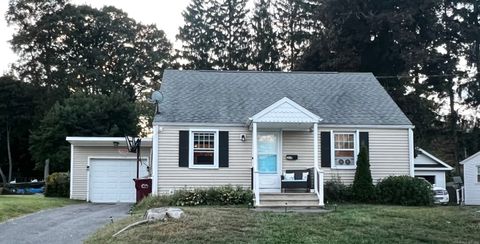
(293, 23)
(264, 52)
(16, 110)
(197, 35)
(81, 115)
(395, 40)
(82, 49)
(231, 34)
(443, 64)
(362, 188)
(470, 34)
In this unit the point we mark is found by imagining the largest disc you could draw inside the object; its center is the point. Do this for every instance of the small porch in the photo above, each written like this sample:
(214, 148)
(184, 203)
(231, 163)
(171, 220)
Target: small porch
(277, 181)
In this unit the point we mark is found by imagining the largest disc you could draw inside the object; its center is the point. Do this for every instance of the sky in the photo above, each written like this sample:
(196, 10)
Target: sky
(166, 14)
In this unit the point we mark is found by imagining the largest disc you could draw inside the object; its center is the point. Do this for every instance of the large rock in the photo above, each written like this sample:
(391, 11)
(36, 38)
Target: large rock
(155, 214)
(174, 213)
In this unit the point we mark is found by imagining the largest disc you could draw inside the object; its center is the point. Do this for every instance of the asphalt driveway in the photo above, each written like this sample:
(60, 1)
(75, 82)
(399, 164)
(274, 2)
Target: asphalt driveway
(70, 224)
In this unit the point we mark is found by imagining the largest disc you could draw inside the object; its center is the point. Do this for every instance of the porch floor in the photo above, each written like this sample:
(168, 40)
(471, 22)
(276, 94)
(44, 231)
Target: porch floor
(282, 200)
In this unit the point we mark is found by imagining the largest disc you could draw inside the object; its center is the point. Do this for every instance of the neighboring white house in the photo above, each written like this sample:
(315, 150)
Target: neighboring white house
(471, 179)
(431, 168)
(246, 128)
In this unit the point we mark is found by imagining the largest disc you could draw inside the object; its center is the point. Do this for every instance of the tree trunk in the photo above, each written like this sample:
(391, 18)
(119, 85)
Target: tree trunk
(4, 179)
(453, 126)
(9, 152)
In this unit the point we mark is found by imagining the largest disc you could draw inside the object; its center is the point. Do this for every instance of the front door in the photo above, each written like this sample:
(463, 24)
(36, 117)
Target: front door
(268, 161)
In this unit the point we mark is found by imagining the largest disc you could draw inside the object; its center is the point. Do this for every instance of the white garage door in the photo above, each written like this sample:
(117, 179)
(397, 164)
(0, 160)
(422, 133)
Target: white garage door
(111, 180)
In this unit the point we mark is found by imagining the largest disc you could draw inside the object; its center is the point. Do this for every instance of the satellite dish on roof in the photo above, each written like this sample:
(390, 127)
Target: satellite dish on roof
(157, 98)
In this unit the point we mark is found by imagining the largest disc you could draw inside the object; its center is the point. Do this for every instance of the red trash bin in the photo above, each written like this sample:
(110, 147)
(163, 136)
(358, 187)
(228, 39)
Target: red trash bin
(143, 187)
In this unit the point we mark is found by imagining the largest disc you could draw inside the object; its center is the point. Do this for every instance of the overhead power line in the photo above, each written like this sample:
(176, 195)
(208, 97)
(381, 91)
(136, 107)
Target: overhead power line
(419, 76)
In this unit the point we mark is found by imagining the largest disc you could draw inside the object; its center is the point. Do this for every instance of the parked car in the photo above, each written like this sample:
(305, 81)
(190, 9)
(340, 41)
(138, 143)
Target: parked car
(440, 195)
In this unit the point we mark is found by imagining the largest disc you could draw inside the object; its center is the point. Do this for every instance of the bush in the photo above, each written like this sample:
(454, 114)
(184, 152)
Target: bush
(363, 189)
(58, 185)
(404, 190)
(336, 191)
(225, 195)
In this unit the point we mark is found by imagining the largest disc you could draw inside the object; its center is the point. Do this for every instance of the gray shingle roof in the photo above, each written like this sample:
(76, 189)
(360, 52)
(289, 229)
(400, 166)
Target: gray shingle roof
(234, 96)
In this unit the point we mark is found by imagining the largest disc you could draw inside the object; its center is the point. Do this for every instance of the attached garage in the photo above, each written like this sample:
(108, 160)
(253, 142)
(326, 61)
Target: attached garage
(102, 169)
(110, 179)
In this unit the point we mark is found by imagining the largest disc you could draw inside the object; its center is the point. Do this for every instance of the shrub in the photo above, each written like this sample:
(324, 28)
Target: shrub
(226, 195)
(363, 189)
(336, 191)
(404, 190)
(58, 185)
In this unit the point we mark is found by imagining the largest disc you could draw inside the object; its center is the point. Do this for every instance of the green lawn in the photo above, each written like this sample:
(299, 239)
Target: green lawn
(349, 224)
(12, 206)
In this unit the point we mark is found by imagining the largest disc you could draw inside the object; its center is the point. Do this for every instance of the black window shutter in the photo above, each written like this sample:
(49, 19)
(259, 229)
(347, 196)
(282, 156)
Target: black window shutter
(223, 149)
(183, 148)
(364, 142)
(326, 159)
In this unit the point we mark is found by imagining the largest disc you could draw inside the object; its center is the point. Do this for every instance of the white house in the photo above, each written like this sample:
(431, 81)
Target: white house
(249, 129)
(471, 178)
(431, 168)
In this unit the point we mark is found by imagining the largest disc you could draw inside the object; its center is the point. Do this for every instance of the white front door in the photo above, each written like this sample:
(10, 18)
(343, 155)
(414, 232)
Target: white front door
(268, 161)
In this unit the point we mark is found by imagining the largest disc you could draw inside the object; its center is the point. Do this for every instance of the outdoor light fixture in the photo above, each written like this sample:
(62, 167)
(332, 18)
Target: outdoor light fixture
(243, 137)
(115, 144)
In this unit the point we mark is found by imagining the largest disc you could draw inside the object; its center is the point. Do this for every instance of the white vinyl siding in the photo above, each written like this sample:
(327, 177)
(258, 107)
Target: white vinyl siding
(80, 161)
(471, 173)
(173, 177)
(388, 156)
(388, 153)
(298, 143)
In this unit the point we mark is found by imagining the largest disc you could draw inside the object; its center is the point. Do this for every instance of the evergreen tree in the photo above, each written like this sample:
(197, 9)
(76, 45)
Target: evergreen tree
(470, 32)
(231, 34)
(197, 35)
(443, 65)
(362, 188)
(264, 53)
(293, 25)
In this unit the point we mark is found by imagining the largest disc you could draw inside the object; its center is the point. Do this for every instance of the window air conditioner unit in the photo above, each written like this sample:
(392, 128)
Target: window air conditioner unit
(344, 161)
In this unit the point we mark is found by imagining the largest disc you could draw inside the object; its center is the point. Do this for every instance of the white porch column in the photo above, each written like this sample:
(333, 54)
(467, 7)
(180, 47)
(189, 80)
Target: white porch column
(315, 157)
(254, 165)
(411, 152)
(315, 145)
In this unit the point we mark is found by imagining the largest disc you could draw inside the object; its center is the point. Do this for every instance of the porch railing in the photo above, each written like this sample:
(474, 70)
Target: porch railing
(319, 185)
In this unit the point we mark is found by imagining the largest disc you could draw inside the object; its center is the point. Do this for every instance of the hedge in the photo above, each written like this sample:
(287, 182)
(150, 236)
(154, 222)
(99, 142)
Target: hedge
(58, 185)
(404, 190)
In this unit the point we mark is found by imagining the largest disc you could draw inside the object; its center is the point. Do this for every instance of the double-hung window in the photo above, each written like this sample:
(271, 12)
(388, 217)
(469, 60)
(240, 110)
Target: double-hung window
(203, 149)
(478, 174)
(344, 149)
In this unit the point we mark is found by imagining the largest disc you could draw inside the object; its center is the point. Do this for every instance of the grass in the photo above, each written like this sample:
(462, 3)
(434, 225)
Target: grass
(12, 206)
(349, 224)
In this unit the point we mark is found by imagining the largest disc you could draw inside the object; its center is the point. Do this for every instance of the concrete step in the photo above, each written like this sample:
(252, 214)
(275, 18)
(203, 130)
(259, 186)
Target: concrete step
(288, 200)
(297, 204)
(288, 196)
